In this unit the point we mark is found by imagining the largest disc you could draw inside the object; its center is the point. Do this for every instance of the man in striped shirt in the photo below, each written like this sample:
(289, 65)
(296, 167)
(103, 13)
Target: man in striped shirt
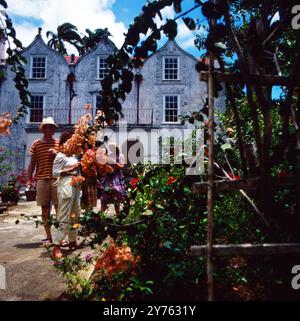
(43, 152)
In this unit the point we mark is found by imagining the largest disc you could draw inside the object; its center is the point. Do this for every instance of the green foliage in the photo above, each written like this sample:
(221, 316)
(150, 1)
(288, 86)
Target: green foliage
(16, 61)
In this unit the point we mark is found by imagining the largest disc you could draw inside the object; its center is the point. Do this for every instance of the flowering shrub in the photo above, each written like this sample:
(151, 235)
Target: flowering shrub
(76, 181)
(116, 259)
(5, 123)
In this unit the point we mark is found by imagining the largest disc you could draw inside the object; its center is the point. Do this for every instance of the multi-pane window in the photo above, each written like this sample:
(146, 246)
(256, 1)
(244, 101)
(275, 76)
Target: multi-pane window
(98, 102)
(102, 68)
(171, 68)
(38, 67)
(171, 108)
(36, 108)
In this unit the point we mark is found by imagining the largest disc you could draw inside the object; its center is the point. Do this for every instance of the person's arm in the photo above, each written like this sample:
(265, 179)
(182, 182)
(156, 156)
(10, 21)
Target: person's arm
(68, 169)
(31, 169)
(121, 163)
(59, 168)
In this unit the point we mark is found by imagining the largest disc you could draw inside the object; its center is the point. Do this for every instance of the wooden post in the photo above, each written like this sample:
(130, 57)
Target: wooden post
(210, 212)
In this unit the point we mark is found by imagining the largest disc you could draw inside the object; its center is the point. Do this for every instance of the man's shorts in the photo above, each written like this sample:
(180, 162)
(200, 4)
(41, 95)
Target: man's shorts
(46, 192)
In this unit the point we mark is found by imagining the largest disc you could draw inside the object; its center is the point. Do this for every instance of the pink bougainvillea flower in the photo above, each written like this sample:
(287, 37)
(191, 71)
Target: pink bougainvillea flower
(88, 257)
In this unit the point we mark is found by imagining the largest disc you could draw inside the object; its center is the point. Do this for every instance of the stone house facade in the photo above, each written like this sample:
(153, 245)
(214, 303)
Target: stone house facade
(164, 88)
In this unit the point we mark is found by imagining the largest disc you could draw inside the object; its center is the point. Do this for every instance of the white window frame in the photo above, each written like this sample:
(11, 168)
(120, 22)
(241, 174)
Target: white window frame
(31, 65)
(98, 67)
(164, 66)
(164, 109)
(95, 103)
(43, 109)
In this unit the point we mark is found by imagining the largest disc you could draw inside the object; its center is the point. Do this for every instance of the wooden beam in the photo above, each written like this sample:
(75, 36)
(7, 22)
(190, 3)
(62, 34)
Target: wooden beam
(238, 78)
(247, 249)
(244, 184)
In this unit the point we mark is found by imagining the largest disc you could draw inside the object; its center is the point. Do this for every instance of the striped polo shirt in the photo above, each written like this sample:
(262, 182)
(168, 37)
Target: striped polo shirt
(43, 157)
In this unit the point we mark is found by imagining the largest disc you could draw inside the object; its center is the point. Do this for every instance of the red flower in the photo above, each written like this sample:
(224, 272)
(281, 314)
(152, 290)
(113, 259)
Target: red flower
(234, 177)
(282, 173)
(133, 182)
(171, 180)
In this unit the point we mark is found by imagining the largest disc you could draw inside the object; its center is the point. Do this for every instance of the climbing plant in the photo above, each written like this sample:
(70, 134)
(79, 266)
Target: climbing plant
(17, 62)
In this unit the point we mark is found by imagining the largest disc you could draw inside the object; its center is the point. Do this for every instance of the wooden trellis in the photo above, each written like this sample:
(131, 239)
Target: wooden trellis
(210, 250)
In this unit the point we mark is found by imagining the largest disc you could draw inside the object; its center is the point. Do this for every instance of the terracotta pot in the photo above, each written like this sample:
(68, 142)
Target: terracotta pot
(30, 195)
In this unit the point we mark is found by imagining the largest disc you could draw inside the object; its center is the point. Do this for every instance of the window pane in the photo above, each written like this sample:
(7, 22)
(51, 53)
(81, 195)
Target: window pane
(98, 102)
(36, 109)
(171, 109)
(171, 68)
(38, 67)
(103, 68)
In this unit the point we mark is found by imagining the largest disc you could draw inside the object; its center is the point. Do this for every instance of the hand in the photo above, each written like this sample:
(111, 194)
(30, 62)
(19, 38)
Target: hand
(29, 183)
(53, 152)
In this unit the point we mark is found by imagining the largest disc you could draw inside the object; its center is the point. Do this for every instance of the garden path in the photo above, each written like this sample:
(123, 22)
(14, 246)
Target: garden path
(29, 274)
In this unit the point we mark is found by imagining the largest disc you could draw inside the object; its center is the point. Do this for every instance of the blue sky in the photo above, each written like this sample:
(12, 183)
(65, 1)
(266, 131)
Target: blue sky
(116, 15)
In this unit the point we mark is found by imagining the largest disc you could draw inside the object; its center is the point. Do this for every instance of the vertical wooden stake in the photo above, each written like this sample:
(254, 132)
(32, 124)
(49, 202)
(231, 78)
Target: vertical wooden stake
(210, 211)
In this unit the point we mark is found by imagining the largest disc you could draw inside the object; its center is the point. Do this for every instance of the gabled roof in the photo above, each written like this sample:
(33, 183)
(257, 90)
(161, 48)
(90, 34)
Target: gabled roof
(95, 48)
(177, 46)
(39, 39)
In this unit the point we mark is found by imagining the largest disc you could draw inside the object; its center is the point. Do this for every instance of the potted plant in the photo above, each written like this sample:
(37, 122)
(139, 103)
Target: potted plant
(30, 191)
(30, 194)
(10, 191)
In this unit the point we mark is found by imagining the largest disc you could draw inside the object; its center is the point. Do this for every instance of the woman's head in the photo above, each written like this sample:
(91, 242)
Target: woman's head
(65, 136)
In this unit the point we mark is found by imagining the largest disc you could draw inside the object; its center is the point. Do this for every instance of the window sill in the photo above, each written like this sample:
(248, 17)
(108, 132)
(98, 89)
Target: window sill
(171, 123)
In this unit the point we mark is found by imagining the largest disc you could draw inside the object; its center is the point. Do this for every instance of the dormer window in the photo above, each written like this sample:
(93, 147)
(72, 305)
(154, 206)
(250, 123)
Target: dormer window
(103, 68)
(170, 68)
(38, 67)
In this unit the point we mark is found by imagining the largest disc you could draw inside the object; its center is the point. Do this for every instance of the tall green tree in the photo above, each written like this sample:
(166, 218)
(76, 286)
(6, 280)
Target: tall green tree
(90, 40)
(66, 32)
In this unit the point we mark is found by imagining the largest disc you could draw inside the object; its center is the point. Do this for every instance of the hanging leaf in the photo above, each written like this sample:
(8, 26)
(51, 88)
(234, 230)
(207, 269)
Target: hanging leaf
(170, 29)
(190, 23)
(191, 120)
(3, 4)
(201, 66)
(177, 6)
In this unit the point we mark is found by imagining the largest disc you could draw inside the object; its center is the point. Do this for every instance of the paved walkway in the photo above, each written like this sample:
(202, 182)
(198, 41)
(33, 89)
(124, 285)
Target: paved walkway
(29, 274)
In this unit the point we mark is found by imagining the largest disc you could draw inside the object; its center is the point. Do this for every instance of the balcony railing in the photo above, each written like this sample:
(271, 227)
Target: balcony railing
(61, 115)
(143, 117)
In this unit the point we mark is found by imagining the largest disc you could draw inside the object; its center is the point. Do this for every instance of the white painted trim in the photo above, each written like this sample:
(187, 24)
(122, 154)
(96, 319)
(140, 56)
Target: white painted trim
(98, 66)
(178, 68)
(164, 109)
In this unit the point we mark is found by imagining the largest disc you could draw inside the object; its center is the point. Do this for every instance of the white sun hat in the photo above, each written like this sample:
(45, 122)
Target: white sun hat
(48, 121)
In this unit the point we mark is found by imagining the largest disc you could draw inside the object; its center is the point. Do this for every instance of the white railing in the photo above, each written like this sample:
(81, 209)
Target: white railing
(61, 115)
(143, 117)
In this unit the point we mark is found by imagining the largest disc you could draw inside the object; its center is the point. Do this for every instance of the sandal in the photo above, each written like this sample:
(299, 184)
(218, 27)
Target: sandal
(64, 244)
